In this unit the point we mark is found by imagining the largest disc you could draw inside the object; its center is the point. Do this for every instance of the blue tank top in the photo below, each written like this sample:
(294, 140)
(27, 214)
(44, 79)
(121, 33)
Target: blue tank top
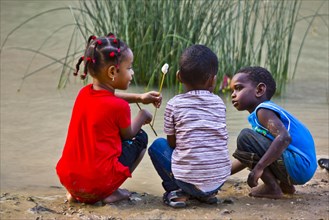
(300, 156)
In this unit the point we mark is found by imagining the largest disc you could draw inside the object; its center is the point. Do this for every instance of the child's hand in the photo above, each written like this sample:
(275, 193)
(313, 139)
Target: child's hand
(152, 97)
(143, 117)
(253, 176)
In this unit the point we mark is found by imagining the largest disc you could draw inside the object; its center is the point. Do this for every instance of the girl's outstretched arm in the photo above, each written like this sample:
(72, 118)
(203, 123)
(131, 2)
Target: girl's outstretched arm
(143, 117)
(146, 98)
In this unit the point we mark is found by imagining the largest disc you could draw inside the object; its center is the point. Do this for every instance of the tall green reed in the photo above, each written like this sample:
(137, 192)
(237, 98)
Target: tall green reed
(241, 33)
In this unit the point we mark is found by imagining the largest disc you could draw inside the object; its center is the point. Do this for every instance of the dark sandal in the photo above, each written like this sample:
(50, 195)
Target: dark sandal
(169, 198)
(324, 163)
(212, 199)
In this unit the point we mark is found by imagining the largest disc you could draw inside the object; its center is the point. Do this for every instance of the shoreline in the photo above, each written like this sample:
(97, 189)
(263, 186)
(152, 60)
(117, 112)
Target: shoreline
(311, 201)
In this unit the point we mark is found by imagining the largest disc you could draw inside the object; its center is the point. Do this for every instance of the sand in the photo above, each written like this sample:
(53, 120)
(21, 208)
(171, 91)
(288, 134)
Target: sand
(311, 201)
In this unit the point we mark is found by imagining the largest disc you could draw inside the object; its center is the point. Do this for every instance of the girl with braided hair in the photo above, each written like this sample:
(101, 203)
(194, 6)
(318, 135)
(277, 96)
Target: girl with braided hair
(104, 145)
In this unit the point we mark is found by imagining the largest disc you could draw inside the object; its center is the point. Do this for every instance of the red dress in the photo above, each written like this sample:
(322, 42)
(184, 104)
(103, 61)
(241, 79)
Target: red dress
(89, 167)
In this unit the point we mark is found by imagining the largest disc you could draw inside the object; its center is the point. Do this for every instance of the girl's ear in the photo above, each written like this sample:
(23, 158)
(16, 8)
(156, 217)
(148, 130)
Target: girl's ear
(111, 72)
(260, 90)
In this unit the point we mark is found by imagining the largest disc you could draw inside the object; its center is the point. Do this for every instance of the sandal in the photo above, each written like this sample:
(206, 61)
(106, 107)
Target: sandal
(212, 199)
(173, 199)
(324, 163)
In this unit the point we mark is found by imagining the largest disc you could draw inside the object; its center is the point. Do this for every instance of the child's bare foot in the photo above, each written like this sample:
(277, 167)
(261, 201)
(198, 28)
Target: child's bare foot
(70, 198)
(287, 189)
(119, 194)
(264, 191)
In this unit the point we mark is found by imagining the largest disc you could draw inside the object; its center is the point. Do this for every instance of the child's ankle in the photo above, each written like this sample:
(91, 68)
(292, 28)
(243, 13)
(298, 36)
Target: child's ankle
(287, 189)
(70, 198)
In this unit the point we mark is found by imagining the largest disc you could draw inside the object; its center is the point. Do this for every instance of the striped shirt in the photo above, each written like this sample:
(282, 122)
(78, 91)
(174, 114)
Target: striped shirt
(201, 157)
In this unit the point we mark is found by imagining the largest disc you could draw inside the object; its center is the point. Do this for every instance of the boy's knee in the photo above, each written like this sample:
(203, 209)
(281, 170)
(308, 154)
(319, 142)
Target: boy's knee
(150, 150)
(155, 146)
(244, 138)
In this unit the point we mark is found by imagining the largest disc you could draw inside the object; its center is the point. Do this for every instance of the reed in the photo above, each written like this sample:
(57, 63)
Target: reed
(241, 33)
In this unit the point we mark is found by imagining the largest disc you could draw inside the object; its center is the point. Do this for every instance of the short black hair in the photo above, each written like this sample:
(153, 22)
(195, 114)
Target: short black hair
(257, 75)
(197, 64)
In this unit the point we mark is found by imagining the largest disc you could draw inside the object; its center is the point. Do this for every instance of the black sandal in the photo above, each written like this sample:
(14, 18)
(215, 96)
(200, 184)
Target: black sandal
(212, 199)
(324, 163)
(170, 198)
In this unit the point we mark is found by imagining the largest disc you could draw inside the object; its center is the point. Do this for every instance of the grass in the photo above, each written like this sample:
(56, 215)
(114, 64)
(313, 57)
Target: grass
(241, 33)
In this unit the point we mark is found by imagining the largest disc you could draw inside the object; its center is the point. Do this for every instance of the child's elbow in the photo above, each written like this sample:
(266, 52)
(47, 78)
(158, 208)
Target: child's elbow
(126, 136)
(126, 133)
(286, 139)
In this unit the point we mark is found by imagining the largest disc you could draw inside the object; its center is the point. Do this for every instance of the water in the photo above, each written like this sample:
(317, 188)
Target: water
(34, 121)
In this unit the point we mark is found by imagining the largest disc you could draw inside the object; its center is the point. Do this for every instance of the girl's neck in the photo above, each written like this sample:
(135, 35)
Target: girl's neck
(97, 85)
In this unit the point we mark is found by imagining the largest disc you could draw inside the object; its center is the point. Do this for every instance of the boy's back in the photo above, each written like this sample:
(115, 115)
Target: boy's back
(193, 160)
(198, 119)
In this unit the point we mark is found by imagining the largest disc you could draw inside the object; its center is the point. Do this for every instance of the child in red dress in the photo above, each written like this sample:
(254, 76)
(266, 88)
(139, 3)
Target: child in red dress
(104, 145)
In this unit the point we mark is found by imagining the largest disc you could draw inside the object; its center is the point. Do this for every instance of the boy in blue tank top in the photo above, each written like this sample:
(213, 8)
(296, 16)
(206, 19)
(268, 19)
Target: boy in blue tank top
(279, 149)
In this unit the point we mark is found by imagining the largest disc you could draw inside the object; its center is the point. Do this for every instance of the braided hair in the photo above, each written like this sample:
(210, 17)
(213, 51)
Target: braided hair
(101, 52)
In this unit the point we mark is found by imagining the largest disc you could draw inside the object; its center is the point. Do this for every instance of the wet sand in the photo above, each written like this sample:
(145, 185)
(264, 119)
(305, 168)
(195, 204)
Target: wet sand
(310, 202)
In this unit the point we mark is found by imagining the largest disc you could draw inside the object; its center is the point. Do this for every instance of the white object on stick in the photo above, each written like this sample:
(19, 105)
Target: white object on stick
(165, 68)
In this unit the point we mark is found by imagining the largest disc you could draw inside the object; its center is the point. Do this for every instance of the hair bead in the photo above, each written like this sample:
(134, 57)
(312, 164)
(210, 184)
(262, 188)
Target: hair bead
(83, 76)
(92, 37)
(110, 35)
(103, 49)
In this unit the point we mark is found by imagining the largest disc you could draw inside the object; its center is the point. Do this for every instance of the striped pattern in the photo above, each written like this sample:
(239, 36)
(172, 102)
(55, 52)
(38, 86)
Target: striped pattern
(198, 119)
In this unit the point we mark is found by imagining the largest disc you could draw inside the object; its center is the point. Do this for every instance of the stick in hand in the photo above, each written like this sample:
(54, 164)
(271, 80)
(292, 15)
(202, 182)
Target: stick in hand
(164, 70)
(150, 123)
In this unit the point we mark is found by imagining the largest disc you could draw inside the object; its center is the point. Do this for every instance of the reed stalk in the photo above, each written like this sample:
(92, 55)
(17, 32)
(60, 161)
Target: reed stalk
(241, 33)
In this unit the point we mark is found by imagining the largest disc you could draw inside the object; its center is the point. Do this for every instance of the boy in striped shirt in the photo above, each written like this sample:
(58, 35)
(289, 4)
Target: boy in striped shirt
(193, 162)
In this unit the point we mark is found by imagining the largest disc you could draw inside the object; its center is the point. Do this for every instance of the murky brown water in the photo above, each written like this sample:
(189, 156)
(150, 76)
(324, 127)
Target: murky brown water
(34, 121)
